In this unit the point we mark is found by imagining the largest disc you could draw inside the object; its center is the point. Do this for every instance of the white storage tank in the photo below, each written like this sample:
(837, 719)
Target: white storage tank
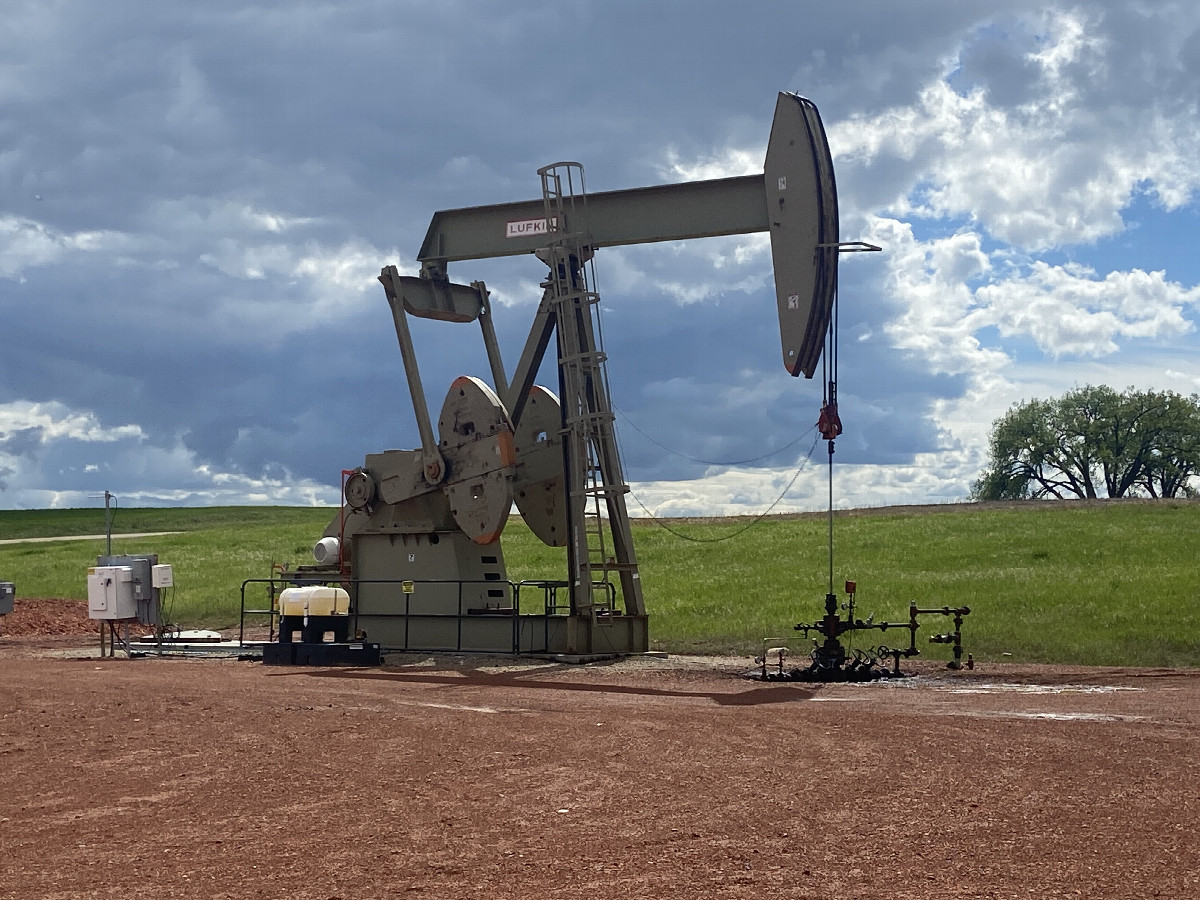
(314, 600)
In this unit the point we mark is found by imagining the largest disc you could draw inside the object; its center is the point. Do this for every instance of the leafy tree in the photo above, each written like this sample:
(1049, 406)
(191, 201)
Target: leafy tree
(1175, 457)
(1093, 439)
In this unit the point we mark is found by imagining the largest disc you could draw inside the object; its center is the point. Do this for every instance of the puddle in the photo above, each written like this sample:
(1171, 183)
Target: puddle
(835, 699)
(459, 707)
(1066, 717)
(1040, 689)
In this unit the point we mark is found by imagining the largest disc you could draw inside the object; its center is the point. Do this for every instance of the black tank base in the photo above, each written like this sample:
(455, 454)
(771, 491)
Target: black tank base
(324, 654)
(314, 628)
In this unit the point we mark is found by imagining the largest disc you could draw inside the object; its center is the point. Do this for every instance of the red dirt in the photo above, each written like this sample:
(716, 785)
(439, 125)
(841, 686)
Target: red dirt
(39, 616)
(452, 777)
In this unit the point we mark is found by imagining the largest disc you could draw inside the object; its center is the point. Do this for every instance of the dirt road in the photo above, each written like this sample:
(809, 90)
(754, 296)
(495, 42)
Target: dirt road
(162, 778)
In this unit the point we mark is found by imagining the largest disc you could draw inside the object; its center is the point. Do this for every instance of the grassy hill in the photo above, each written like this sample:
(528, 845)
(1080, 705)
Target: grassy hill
(1102, 583)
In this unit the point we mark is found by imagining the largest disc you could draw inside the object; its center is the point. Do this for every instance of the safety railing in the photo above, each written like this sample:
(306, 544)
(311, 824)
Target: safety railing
(553, 604)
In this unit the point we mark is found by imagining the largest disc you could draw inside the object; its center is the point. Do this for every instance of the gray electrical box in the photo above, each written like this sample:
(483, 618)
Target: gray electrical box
(145, 594)
(110, 593)
(8, 591)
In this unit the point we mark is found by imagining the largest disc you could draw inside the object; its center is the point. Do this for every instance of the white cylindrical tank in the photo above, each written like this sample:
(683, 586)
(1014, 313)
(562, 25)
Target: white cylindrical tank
(314, 600)
(327, 551)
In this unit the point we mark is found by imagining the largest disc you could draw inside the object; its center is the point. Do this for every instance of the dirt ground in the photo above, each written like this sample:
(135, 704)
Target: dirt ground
(663, 778)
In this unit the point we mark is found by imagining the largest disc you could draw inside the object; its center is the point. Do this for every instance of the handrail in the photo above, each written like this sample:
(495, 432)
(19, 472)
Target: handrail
(549, 589)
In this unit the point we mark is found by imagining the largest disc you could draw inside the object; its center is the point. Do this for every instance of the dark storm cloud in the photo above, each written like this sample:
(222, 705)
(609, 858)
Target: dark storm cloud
(22, 442)
(194, 201)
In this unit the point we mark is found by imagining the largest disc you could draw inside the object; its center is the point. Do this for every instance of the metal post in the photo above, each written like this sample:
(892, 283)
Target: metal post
(107, 523)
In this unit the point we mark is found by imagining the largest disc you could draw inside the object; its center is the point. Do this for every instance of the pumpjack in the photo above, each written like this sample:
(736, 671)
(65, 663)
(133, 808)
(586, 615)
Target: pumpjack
(416, 542)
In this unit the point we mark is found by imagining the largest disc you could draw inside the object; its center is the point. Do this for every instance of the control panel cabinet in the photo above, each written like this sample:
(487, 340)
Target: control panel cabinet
(111, 593)
(145, 591)
(8, 591)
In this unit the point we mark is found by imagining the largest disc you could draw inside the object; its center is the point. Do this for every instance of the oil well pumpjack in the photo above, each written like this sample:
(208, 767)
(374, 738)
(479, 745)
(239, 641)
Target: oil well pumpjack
(416, 541)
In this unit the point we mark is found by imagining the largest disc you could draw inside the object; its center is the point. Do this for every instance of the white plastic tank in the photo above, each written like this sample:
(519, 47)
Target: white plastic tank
(314, 600)
(327, 551)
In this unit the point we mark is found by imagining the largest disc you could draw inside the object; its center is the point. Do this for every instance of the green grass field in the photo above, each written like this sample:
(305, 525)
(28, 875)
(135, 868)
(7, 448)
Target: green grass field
(1102, 583)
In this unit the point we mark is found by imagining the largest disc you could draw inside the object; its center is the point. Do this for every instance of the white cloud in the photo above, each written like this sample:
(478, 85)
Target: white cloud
(25, 243)
(728, 162)
(733, 492)
(53, 421)
(305, 286)
(203, 490)
(688, 272)
(1190, 381)
(52, 456)
(521, 293)
(1067, 310)
(352, 266)
(275, 223)
(943, 477)
(1050, 171)
(930, 282)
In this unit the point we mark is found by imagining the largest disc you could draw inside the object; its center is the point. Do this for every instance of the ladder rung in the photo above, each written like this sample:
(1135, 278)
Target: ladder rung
(606, 490)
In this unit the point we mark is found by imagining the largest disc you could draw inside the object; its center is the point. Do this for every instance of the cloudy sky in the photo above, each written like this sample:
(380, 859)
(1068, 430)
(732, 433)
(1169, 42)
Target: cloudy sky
(196, 199)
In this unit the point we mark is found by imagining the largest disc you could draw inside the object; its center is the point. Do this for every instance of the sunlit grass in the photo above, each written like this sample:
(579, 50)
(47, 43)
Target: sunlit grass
(216, 550)
(1103, 583)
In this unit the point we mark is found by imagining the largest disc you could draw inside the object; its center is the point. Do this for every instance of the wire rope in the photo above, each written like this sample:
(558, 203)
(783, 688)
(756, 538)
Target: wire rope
(590, 275)
(756, 520)
(709, 462)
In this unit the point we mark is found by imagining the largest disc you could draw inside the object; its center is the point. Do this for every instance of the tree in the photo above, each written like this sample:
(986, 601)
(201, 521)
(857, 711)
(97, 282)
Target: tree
(1175, 458)
(1093, 439)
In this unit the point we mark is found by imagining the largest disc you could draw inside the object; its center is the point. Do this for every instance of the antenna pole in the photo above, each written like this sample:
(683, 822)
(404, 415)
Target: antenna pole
(108, 523)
